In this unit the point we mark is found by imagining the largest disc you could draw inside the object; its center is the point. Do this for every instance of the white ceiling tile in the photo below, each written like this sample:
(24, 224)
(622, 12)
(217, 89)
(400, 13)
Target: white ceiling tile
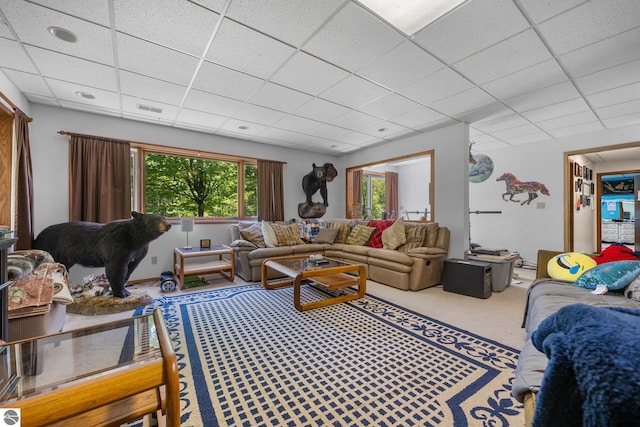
(588, 23)
(622, 121)
(354, 120)
(462, 102)
(514, 54)
(90, 108)
(623, 109)
(322, 110)
(353, 92)
(576, 105)
(528, 139)
(610, 78)
(31, 22)
(149, 88)
(615, 96)
(156, 61)
(5, 32)
(384, 129)
(12, 56)
(506, 122)
(576, 130)
(568, 120)
(360, 139)
(215, 5)
(507, 134)
(401, 66)
(536, 77)
(243, 49)
(470, 28)
(604, 54)
(292, 21)
(67, 91)
(257, 114)
(130, 105)
(389, 106)
(96, 11)
(208, 102)
(479, 140)
(162, 23)
(242, 129)
(546, 96)
(331, 132)
(37, 99)
(199, 118)
(226, 82)
(541, 10)
(361, 36)
(297, 124)
(308, 74)
(418, 119)
(64, 67)
(281, 135)
(28, 83)
(439, 85)
(279, 97)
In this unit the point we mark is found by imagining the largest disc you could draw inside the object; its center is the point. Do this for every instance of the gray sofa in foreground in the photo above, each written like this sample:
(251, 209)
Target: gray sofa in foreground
(416, 269)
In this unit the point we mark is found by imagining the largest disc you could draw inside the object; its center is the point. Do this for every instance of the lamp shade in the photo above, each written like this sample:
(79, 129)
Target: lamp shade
(186, 224)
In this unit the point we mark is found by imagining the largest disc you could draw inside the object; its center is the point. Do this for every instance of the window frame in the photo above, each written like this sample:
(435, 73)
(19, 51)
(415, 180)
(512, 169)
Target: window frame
(138, 152)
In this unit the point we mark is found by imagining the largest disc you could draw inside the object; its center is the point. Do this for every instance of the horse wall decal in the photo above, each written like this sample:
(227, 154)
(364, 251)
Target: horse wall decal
(515, 186)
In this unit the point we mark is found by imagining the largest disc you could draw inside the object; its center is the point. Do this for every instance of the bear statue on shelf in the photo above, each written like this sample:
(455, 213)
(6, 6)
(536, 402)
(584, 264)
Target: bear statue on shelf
(119, 246)
(312, 182)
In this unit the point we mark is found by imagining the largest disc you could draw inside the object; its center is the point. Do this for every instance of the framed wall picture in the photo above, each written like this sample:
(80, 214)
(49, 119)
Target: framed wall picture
(593, 188)
(205, 243)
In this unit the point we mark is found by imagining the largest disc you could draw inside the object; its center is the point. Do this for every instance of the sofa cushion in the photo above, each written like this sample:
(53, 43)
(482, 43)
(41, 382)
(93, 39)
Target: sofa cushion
(614, 275)
(343, 231)
(395, 235)
(414, 237)
(360, 235)
(253, 234)
(431, 236)
(326, 235)
(270, 239)
(380, 225)
(286, 235)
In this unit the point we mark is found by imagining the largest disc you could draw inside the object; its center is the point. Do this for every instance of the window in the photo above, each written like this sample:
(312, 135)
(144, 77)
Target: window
(373, 195)
(187, 183)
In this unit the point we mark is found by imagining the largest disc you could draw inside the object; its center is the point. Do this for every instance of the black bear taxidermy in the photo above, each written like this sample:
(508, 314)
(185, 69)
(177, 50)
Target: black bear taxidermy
(118, 246)
(317, 180)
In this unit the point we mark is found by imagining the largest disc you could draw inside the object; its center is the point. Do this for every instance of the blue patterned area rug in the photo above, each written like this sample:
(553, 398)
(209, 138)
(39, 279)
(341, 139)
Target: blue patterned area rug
(247, 357)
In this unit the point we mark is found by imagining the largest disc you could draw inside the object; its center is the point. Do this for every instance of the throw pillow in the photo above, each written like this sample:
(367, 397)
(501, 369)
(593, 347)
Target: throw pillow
(287, 235)
(380, 225)
(569, 266)
(309, 228)
(395, 235)
(343, 231)
(360, 235)
(270, 239)
(253, 234)
(414, 237)
(614, 275)
(326, 235)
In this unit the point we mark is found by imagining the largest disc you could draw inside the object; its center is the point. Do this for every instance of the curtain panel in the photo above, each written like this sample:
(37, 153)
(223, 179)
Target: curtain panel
(355, 210)
(100, 179)
(270, 191)
(24, 222)
(391, 194)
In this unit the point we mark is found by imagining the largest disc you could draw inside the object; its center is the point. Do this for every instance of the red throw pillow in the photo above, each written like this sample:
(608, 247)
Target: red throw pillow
(380, 225)
(616, 253)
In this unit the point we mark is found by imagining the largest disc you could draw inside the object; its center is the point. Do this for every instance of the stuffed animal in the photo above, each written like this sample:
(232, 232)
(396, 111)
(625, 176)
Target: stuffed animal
(317, 180)
(569, 266)
(119, 246)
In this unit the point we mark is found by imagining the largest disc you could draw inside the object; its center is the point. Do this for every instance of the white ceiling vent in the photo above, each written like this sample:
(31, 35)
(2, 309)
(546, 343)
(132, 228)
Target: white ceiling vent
(149, 108)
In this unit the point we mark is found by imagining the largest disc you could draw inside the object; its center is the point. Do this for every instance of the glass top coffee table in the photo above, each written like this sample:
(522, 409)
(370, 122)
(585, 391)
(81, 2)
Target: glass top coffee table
(331, 274)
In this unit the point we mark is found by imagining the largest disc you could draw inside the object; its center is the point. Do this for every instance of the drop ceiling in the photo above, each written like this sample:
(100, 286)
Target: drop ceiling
(330, 76)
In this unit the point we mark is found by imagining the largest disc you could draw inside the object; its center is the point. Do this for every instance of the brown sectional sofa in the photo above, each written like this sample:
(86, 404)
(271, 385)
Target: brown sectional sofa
(416, 269)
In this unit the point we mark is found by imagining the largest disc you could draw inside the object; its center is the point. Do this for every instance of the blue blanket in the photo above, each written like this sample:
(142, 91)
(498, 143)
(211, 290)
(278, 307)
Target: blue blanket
(593, 375)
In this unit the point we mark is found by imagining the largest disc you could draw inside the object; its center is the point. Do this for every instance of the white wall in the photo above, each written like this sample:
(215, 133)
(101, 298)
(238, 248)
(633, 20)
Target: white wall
(413, 190)
(50, 160)
(528, 228)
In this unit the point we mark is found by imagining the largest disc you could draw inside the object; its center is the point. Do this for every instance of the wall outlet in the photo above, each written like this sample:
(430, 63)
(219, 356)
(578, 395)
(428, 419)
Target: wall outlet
(154, 260)
(540, 205)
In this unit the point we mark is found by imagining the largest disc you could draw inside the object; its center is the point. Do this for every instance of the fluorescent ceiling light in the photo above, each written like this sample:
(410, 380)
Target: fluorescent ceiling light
(410, 16)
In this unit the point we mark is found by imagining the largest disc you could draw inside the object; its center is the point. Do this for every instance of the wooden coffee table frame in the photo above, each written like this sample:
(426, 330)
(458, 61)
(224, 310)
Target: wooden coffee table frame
(331, 277)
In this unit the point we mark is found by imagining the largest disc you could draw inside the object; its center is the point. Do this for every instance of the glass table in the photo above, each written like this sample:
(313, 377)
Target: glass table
(101, 375)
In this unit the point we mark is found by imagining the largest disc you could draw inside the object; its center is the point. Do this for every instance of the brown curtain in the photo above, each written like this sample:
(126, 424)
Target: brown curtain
(270, 191)
(391, 193)
(100, 179)
(24, 190)
(356, 193)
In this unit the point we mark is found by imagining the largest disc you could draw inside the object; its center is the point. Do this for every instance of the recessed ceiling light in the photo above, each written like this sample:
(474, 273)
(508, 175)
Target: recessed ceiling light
(62, 34)
(85, 95)
(243, 127)
(410, 16)
(382, 130)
